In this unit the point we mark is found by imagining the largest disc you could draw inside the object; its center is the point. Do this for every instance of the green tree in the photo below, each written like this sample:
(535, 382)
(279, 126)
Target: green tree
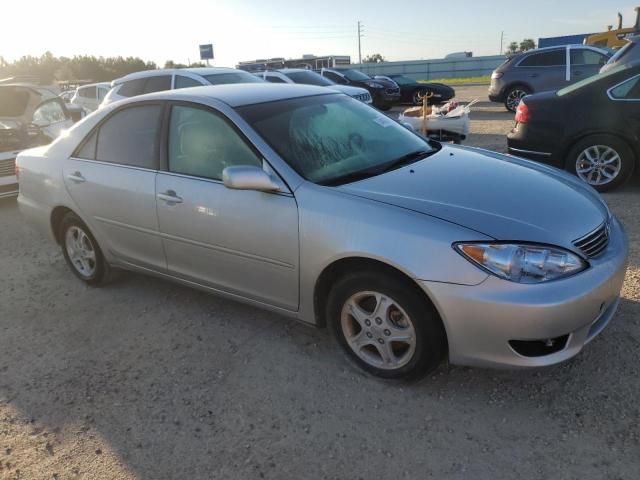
(512, 48)
(374, 58)
(527, 44)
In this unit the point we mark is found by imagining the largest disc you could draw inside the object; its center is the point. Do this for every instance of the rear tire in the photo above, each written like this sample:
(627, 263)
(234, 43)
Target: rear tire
(385, 108)
(385, 325)
(82, 252)
(513, 96)
(603, 161)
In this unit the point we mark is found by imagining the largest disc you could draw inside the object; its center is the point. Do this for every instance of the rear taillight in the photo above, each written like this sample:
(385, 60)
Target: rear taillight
(496, 75)
(17, 170)
(523, 115)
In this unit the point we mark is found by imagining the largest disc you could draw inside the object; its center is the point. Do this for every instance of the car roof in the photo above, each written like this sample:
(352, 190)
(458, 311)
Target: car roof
(557, 47)
(239, 94)
(202, 71)
(97, 84)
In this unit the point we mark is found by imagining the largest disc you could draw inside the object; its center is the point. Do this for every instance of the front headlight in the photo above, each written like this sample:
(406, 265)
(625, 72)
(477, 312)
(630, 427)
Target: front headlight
(374, 85)
(522, 263)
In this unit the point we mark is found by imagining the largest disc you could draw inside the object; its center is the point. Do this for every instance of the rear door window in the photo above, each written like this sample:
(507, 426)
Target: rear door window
(157, 84)
(186, 82)
(130, 137)
(554, 58)
(131, 88)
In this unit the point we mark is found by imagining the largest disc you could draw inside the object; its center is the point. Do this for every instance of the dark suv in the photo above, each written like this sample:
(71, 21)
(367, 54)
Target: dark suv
(384, 92)
(543, 69)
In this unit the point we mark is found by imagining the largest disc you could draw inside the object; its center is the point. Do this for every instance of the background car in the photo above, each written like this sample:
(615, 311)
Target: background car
(309, 77)
(90, 96)
(306, 202)
(385, 93)
(543, 69)
(29, 116)
(411, 90)
(150, 81)
(589, 128)
(627, 55)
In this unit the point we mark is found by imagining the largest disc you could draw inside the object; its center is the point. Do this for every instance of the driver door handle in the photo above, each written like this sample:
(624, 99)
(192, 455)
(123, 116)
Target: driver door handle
(170, 197)
(76, 177)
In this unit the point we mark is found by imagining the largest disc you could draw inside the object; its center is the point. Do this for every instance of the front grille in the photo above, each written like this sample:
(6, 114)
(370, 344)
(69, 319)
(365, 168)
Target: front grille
(363, 97)
(594, 243)
(393, 91)
(7, 167)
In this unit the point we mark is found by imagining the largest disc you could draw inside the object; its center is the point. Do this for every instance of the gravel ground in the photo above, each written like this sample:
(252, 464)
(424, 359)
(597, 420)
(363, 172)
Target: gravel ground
(148, 380)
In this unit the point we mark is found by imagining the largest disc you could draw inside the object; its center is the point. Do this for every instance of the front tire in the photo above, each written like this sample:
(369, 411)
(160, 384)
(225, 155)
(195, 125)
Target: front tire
(603, 161)
(514, 95)
(385, 325)
(81, 251)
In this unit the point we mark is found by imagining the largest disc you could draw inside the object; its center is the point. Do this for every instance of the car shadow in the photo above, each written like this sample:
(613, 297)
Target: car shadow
(175, 383)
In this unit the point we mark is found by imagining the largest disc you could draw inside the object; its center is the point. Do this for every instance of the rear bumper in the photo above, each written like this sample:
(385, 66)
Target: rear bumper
(383, 98)
(484, 322)
(8, 181)
(37, 214)
(536, 145)
(8, 186)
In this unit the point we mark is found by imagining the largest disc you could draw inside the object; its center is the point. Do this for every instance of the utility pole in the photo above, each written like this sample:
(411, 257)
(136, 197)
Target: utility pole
(359, 47)
(501, 41)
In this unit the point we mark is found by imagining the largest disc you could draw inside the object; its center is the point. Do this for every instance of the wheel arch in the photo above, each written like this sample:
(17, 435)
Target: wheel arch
(635, 149)
(57, 214)
(515, 83)
(342, 266)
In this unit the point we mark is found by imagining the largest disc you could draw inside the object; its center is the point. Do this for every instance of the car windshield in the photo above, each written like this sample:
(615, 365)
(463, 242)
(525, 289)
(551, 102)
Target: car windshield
(623, 51)
(400, 80)
(231, 77)
(355, 75)
(590, 80)
(309, 78)
(13, 101)
(333, 139)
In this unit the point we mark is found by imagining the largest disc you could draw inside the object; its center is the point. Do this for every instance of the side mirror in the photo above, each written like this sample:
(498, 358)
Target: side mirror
(248, 177)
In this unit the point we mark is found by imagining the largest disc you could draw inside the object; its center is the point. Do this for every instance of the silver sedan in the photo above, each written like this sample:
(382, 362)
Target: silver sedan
(309, 203)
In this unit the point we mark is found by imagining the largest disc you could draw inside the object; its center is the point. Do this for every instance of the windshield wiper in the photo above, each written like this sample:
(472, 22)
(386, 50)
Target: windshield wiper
(377, 170)
(407, 159)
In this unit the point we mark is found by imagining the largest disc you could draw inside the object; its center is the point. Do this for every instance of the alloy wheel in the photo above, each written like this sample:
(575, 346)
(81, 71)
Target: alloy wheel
(514, 97)
(81, 252)
(378, 330)
(598, 165)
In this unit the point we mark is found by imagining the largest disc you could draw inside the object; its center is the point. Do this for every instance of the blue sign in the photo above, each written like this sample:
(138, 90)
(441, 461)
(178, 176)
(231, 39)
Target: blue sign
(206, 52)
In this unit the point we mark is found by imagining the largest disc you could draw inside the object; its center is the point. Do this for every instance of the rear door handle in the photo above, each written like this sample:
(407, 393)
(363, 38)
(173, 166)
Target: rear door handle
(170, 197)
(76, 177)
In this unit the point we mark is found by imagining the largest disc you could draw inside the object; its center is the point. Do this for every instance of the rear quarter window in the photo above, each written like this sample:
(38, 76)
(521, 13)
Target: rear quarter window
(555, 58)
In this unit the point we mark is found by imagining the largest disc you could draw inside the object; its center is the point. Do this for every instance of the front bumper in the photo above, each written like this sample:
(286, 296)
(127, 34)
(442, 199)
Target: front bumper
(383, 98)
(482, 320)
(8, 181)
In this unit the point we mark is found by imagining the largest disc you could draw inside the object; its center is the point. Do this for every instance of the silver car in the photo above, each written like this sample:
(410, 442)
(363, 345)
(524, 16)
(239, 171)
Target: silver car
(309, 203)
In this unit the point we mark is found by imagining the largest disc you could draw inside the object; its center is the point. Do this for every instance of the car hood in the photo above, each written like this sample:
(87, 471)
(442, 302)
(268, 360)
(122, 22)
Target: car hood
(351, 91)
(500, 196)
